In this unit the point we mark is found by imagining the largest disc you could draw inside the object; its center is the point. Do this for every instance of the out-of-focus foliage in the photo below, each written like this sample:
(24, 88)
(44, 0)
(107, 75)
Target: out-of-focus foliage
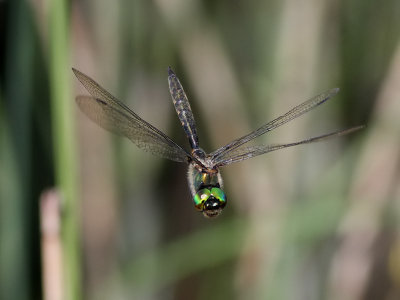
(314, 222)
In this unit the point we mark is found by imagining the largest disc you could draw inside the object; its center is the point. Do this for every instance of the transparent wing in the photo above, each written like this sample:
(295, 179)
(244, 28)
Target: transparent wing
(111, 114)
(183, 108)
(290, 115)
(244, 153)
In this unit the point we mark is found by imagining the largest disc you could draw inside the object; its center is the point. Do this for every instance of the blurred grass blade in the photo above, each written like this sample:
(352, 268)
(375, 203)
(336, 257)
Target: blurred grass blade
(13, 259)
(64, 143)
(16, 198)
(51, 247)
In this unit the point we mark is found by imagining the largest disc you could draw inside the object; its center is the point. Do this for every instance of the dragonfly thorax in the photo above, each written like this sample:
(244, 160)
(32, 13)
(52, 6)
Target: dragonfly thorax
(206, 189)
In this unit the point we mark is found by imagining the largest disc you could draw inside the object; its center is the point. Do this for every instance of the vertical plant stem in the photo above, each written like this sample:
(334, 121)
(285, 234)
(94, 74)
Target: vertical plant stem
(64, 145)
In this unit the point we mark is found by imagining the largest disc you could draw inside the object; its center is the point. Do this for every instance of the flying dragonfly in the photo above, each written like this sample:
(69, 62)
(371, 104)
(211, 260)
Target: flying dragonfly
(204, 177)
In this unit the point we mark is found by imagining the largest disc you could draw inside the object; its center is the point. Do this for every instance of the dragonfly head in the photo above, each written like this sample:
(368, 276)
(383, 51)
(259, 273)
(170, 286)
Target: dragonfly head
(210, 201)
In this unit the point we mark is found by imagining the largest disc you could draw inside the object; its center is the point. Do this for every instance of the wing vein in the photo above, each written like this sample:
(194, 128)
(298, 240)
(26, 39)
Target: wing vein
(244, 153)
(111, 114)
(290, 115)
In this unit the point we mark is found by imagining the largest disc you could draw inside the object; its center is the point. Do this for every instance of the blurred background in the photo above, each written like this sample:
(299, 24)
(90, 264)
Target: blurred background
(87, 215)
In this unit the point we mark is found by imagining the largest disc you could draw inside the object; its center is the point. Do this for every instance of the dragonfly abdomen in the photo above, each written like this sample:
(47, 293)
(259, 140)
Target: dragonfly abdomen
(183, 109)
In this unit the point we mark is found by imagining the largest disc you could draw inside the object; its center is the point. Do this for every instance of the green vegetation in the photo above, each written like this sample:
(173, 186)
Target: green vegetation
(319, 221)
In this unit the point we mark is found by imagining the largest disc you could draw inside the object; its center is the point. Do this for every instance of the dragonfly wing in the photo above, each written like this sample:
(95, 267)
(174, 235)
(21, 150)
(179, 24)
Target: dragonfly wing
(243, 153)
(290, 115)
(183, 108)
(111, 114)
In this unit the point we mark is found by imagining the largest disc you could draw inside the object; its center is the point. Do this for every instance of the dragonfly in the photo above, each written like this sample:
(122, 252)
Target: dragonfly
(204, 176)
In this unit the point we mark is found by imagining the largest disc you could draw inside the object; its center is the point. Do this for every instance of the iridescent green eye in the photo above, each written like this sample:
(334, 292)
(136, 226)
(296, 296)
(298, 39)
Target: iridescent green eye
(200, 198)
(210, 201)
(219, 194)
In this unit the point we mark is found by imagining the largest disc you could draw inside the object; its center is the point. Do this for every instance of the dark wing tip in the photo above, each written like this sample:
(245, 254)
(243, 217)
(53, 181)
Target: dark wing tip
(170, 72)
(356, 128)
(350, 130)
(77, 72)
(332, 92)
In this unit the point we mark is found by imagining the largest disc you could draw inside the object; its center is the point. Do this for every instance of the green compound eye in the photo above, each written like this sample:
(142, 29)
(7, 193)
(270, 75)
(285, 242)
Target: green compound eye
(210, 201)
(219, 194)
(200, 198)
